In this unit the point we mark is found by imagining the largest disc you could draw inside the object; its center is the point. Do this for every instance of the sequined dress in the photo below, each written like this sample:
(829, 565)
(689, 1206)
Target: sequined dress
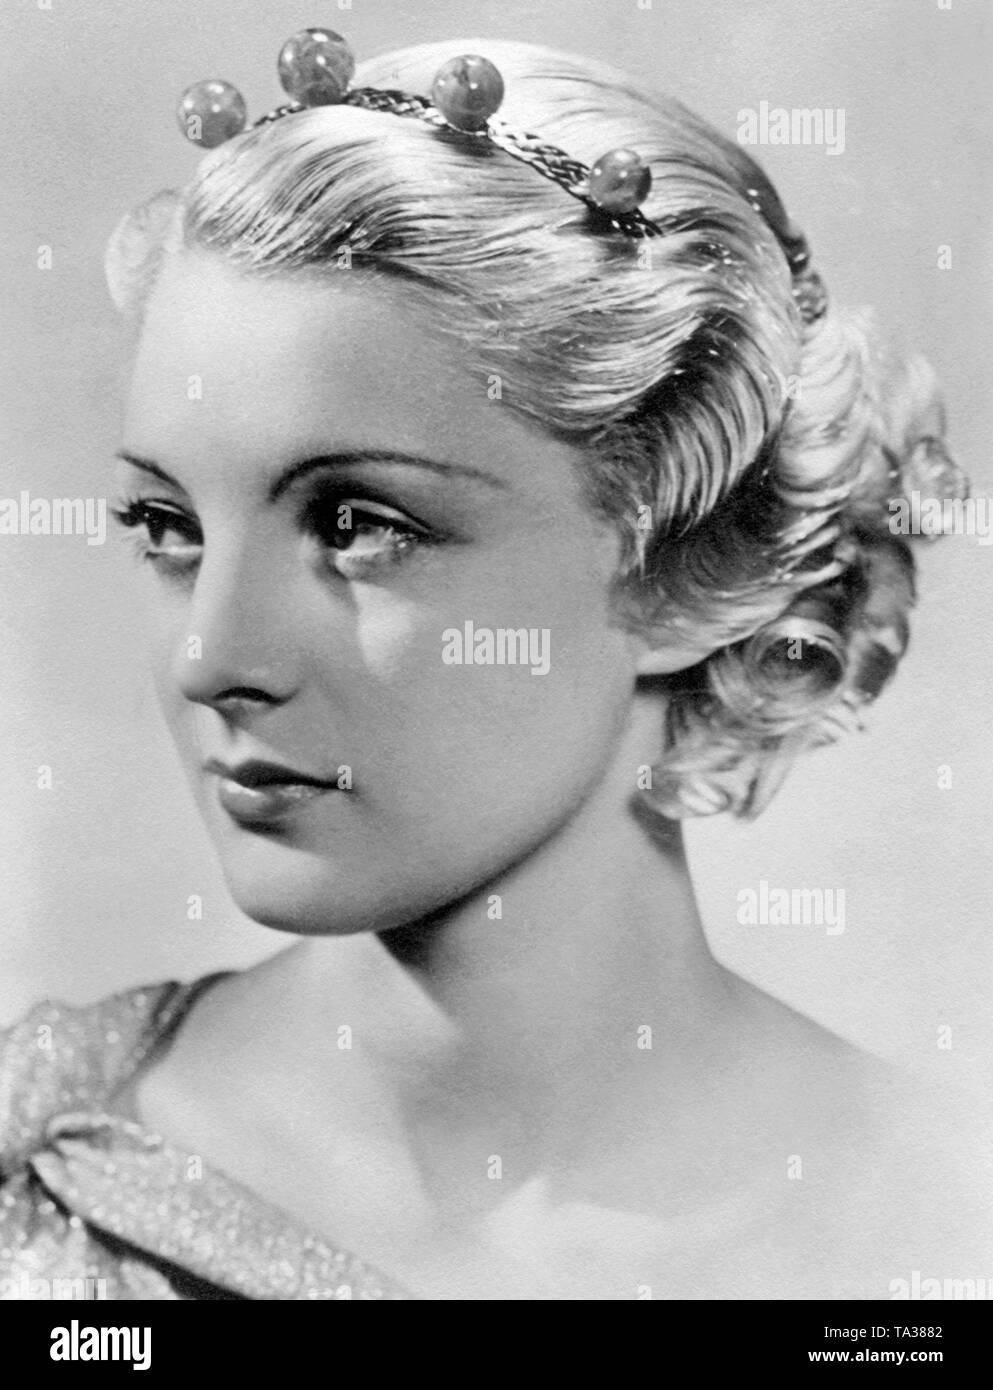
(89, 1195)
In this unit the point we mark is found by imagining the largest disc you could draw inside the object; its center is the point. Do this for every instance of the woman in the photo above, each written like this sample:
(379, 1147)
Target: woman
(491, 531)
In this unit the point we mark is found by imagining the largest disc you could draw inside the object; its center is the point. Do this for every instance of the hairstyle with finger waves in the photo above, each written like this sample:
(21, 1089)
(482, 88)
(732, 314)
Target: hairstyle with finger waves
(747, 457)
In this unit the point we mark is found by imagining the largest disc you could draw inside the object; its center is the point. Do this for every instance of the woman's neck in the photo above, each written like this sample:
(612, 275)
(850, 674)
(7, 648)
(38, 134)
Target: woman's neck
(548, 977)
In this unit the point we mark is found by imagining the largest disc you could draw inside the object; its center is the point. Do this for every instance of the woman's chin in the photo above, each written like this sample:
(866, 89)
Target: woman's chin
(294, 891)
(299, 912)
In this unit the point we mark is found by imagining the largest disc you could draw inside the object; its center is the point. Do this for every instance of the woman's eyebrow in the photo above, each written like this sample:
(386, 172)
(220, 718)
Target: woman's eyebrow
(147, 466)
(339, 459)
(344, 457)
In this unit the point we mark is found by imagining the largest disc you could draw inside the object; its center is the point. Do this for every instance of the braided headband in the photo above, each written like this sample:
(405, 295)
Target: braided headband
(316, 67)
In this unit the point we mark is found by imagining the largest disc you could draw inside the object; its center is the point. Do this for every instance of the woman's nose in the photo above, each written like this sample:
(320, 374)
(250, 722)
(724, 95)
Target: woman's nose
(237, 651)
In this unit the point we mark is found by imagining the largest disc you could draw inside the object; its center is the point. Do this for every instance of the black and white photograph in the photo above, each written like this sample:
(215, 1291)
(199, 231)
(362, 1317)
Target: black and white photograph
(496, 523)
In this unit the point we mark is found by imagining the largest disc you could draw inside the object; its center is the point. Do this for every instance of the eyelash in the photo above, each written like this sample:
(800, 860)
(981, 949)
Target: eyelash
(157, 518)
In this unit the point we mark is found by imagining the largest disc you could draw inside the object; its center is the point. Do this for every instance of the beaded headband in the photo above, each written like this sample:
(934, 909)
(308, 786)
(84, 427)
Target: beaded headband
(316, 67)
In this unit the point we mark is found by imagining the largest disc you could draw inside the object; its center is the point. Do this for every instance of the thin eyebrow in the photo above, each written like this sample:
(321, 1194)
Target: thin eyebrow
(300, 470)
(147, 466)
(356, 456)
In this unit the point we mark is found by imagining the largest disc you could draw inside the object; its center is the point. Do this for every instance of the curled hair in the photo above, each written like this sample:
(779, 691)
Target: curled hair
(747, 458)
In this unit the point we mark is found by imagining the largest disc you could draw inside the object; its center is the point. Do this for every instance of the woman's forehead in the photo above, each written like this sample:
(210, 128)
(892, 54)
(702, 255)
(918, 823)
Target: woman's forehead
(201, 301)
(289, 361)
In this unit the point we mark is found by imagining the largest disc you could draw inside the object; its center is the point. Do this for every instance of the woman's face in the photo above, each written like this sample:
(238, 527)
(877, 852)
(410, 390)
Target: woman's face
(328, 496)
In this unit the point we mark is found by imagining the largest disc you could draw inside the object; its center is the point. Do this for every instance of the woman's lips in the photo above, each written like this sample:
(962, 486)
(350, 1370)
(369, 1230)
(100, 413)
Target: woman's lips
(273, 801)
(255, 792)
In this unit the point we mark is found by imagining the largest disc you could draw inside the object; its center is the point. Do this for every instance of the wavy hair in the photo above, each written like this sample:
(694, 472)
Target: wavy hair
(746, 457)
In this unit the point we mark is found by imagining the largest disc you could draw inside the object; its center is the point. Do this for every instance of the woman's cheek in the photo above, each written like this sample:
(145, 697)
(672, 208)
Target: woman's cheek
(393, 637)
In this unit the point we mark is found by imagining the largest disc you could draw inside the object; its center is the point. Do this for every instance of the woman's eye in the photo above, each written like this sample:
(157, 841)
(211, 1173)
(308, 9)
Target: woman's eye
(362, 537)
(164, 534)
(357, 538)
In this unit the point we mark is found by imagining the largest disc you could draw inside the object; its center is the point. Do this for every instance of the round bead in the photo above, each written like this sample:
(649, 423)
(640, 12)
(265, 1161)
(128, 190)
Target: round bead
(211, 112)
(620, 182)
(315, 67)
(467, 91)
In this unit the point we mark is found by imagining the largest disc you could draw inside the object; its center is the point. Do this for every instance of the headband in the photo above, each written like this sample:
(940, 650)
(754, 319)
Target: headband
(316, 67)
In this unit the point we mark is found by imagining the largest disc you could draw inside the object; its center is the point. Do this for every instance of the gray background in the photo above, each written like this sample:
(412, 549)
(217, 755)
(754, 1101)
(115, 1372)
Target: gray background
(97, 870)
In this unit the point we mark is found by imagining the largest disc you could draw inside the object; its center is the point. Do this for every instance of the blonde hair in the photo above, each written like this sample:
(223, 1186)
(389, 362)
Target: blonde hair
(746, 457)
